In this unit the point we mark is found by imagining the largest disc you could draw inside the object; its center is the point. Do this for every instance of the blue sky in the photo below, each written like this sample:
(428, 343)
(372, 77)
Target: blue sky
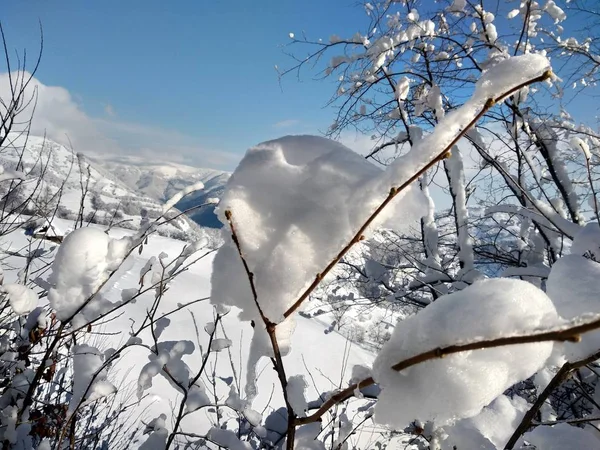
(189, 81)
(202, 71)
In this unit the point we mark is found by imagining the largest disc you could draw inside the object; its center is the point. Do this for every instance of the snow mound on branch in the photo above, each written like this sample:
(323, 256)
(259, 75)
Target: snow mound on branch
(197, 398)
(295, 202)
(89, 376)
(166, 360)
(83, 263)
(306, 437)
(573, 286)
(460, 385)
(457, 6)
(22, 300)
(295, 391)
(497, 80)
(227, 439)
(489, 430)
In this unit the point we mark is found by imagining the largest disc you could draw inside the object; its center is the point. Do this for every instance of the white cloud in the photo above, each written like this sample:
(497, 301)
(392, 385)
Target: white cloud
(360, 143)
(286, 123)
(60, 117)
(109, 110)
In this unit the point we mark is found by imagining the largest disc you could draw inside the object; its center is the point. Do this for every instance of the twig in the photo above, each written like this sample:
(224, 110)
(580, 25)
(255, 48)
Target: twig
(271, 331)
(249, 273)
(563, 373)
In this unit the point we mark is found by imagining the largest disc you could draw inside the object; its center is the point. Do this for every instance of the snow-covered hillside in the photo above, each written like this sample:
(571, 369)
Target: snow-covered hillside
(328, 369)
(72, 184)
(162, 180)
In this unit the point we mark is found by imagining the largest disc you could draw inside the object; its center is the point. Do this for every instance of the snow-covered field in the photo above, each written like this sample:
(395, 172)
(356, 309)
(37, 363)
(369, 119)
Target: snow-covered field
(325, 358)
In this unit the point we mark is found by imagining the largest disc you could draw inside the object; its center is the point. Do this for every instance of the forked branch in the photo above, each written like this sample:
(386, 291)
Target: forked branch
(562, 375)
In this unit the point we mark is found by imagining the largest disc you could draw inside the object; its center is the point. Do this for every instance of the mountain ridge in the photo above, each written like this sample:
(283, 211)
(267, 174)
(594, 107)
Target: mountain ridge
(62, 178)
(162, 180)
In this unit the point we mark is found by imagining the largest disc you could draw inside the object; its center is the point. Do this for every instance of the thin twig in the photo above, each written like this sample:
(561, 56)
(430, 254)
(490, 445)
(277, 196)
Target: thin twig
(271, 331)
(563, 373)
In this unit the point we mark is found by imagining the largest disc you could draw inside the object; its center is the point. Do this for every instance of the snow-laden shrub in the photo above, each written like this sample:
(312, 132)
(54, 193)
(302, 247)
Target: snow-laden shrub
(474, 363)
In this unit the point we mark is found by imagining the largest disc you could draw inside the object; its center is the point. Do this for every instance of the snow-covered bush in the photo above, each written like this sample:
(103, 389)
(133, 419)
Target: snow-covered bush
(59, 385)
(511, 198)
(480, 319)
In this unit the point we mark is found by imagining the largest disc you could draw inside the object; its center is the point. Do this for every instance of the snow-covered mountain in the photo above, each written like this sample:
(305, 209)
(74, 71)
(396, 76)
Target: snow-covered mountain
(162, 180)
(66, 175)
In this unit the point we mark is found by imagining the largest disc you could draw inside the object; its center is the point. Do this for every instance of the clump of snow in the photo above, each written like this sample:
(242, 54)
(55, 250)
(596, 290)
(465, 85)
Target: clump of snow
(413, 15)
(456, 178)
(234, 401)
(513, 13)
(435, 101)
(167, 356)
(460, 385)
(22, 299)
(160, 326)
(491, 32)
(306, 437)
(457, 6)
(83, 263)
(402, 88)
(253, 417)
(345, 430)
(89, 377)
(209, 327)
(295, 202)
(220, 344)
(490, 429)
(579, 144)
(158, 434)
(295, 391)
(555, 11)
(573, 286)
(261, 346)
(587, 241)
(179, 195)
(227, 439)
(196, 398)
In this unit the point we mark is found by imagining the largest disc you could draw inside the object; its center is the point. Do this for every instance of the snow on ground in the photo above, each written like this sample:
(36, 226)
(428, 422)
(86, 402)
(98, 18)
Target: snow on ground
(325, 358)
(321, 355)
